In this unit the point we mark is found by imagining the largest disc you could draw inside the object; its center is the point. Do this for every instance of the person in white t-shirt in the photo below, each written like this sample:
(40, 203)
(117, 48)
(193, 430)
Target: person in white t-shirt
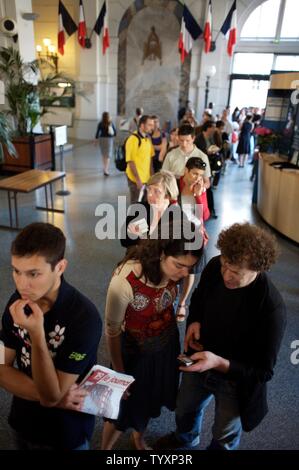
(176, 159)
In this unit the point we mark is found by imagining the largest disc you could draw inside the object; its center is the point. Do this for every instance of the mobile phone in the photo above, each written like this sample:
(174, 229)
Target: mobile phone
(27, 310)
(185, 361)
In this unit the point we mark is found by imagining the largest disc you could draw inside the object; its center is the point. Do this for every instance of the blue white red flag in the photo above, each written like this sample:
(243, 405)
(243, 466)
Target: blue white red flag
(190, 31)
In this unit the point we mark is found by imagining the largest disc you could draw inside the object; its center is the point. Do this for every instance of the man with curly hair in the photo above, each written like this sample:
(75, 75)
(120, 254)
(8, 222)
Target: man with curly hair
(235, 327)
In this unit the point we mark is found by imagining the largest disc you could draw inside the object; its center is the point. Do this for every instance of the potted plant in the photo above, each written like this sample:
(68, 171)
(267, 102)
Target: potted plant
(25, 88)
(267, 140)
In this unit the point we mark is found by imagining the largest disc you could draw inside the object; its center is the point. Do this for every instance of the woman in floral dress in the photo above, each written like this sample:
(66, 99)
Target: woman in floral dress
(141, 330)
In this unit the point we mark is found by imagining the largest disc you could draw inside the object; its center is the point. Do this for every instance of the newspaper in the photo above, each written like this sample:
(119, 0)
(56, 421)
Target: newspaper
(105, 387)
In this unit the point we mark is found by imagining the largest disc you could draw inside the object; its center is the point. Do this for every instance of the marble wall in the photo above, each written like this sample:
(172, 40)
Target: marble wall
(156, 81)
(154, 84)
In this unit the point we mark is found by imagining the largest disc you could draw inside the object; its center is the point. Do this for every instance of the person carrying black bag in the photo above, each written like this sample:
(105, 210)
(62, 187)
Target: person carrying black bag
(203, 141)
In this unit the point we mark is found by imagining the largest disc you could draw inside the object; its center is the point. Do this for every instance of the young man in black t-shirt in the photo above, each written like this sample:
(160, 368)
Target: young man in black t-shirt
(237, 320)
(53, 332)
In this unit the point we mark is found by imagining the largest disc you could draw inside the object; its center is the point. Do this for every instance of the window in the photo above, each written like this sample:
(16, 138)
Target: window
(275, 24)
(245, 93)
(247, 89)
(248, 63)
(287, 62)
(290, 27)
(262, 22)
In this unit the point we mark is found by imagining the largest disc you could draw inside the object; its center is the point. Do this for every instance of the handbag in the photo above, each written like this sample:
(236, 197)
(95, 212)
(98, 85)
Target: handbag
(111, 132)
(215, 161)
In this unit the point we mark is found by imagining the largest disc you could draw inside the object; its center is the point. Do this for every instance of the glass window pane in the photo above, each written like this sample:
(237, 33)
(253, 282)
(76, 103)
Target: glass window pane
(247, 93)
(287, 62)
(290, 24)
(263, 21)
(252, 63)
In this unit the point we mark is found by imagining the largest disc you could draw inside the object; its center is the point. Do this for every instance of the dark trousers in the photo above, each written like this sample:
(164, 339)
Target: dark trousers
(216, 178)
(134, 191)
(210, 199)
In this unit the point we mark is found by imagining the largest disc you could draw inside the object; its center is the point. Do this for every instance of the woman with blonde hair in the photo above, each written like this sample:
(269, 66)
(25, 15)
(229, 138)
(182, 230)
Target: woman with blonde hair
(161, 193)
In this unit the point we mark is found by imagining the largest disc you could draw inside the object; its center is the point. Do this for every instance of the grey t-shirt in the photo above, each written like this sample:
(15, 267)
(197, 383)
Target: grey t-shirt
(175, 161)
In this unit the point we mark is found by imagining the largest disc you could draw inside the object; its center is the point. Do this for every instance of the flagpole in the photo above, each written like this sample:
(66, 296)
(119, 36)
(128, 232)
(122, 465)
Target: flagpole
(90, 36)
(217, 35)
(88, 42)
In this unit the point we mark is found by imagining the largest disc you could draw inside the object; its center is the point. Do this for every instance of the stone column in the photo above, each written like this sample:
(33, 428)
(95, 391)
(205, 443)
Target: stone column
(97, 76)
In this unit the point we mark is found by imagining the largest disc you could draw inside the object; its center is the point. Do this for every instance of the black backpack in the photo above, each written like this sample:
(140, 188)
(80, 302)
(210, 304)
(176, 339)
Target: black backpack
(120, 153)
(215, 162)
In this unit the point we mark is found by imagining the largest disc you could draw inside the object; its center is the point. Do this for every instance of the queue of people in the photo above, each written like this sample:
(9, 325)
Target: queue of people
(52, 330)
(149, 148)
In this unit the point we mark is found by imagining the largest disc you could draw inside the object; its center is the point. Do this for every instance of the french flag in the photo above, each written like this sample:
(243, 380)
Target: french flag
(66, 24)
(102, 23)
(81, 25)
(230, 24)
(190, 31)
(207, 34)
(106, 37)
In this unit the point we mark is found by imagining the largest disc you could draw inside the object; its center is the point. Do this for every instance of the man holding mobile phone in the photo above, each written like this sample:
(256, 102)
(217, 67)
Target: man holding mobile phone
(235, 306)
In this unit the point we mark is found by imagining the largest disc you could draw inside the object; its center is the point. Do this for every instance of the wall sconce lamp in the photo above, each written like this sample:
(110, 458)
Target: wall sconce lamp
(50, 52)
(210, 71)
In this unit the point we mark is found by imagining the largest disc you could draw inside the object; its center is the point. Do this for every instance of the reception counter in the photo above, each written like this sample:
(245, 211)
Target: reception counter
(278, 196)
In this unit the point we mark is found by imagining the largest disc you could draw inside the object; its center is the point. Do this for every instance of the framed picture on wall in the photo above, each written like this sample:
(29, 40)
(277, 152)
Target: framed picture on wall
(61, 95)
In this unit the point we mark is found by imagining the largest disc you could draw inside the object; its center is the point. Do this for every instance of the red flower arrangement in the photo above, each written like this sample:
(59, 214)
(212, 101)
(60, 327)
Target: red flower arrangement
(267, 140)
(263, 131)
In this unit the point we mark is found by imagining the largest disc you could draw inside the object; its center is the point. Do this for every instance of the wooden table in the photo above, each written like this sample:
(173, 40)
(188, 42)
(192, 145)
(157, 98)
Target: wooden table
(27, 182)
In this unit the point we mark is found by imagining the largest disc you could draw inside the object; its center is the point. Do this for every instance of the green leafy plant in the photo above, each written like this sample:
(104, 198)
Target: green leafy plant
(5, 137)
(26, 87)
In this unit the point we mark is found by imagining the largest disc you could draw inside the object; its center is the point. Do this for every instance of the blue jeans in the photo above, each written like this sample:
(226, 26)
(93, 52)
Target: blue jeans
(84, 446)
(196, 392)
